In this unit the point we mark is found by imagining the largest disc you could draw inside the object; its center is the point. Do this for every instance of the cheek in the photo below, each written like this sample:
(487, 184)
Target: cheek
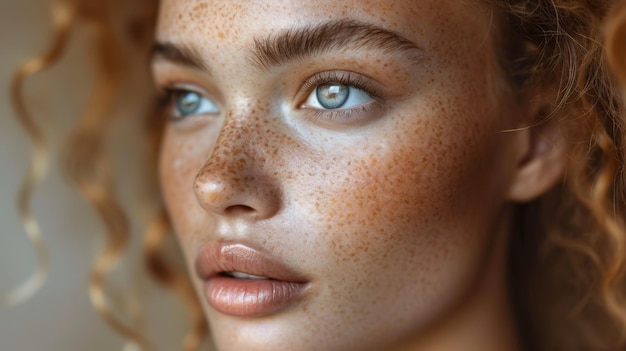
(426, 180)
(410, 210)
(382, 212)
(179, 162)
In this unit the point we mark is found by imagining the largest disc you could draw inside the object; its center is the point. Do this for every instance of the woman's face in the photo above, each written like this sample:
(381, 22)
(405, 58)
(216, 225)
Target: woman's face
(351, 151)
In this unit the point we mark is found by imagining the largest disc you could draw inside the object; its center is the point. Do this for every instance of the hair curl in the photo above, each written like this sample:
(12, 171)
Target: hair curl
(568, 269)
(571, 269)
(87, 163)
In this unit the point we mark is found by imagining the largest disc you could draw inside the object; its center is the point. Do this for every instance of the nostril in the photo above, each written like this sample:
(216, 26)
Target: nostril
(238, 210)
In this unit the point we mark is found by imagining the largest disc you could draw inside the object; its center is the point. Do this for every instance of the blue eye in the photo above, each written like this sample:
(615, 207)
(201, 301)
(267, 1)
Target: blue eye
(333, 96)
(188, 103)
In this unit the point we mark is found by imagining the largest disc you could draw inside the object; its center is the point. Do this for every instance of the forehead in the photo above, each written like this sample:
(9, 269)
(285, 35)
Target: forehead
(219, 24)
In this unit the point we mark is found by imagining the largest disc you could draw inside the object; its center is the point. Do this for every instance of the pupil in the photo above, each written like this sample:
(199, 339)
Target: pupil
(332, 95)
(188, 103)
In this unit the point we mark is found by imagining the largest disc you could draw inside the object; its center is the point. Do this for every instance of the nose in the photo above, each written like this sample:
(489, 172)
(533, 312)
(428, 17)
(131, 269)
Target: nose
(236, 181)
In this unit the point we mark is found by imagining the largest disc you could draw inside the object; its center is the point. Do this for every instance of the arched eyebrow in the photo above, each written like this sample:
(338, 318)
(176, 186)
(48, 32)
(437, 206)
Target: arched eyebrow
(301, 43)
(181, 54)
(310, 41)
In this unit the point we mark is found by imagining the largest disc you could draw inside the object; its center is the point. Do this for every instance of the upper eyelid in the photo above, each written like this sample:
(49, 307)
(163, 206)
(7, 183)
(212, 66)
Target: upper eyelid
(348, 78)
(169, 76)
(343, 77)
(171, 88)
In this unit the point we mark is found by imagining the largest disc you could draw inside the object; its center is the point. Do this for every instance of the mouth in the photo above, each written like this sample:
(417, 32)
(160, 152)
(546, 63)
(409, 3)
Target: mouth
(240, 275)
(241, 281)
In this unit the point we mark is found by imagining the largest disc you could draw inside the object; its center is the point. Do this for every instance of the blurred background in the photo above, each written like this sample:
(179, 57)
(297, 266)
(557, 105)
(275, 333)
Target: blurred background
(60, 316)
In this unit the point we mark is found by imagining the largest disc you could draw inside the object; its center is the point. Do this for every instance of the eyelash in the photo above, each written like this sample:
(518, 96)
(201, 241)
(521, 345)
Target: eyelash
(344, 78)
(339, 116)
(165, 100)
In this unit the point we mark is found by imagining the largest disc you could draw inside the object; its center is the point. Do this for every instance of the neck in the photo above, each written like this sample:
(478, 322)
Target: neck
(485, 321)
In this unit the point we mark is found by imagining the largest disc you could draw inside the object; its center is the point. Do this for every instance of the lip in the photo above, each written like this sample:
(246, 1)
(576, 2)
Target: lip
(247, 297)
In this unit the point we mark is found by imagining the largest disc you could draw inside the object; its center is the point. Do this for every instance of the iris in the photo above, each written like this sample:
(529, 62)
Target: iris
(332, 95)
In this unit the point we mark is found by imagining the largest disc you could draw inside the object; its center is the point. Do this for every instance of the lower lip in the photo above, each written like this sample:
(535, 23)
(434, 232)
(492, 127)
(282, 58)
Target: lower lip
(251, 297)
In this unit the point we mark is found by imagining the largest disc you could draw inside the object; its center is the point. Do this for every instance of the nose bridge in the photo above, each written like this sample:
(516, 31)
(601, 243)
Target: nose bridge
(232, 156)
(235, 178)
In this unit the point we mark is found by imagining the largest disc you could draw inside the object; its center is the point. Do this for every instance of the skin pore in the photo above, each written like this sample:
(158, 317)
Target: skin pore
(395, 207)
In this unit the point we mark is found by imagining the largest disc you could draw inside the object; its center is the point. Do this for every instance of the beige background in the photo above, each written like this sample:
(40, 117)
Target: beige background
(60, 316)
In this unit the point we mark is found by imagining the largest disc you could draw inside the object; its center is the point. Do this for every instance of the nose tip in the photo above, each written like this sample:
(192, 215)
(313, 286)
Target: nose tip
(208, 192)
(231, 196)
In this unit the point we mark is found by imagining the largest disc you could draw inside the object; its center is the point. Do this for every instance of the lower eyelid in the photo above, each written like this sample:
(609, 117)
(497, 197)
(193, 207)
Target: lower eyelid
(345, 117)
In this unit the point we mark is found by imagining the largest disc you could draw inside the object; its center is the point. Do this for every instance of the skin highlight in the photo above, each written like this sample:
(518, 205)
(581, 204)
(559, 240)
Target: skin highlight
(397, 211)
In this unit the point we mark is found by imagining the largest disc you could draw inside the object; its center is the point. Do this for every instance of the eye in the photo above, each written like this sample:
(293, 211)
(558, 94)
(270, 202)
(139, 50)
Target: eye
(187, 103)
(333, 96)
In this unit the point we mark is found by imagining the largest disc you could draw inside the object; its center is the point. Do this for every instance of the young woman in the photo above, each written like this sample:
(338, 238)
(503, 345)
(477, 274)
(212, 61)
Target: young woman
(399, 175)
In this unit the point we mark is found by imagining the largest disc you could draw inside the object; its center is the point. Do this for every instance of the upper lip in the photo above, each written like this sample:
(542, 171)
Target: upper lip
(221, 257)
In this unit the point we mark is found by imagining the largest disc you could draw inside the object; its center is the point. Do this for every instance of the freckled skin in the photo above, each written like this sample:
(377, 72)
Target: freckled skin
(395, 220)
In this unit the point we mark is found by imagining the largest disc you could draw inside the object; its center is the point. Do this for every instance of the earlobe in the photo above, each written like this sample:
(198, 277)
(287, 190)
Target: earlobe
(544, 164)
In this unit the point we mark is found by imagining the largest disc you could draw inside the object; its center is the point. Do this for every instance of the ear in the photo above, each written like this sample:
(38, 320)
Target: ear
(544, 161)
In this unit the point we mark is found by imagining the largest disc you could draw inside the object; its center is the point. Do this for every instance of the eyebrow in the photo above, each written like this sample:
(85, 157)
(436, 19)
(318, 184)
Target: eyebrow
(301, 43)
(310, 41)
(181, 54)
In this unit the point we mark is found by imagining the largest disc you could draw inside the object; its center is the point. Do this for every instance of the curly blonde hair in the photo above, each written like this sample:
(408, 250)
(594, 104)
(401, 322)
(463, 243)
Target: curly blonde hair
(568, 269)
